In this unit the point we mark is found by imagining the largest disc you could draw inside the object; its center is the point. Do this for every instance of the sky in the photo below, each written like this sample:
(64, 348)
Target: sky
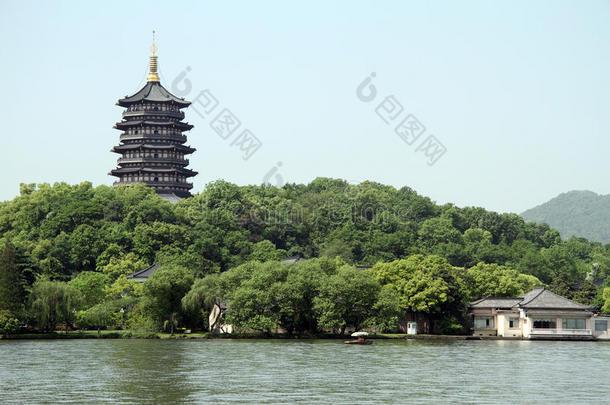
(506, 103)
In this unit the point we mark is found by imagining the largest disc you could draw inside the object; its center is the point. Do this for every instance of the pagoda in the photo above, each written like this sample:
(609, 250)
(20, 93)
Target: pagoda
(151, 148)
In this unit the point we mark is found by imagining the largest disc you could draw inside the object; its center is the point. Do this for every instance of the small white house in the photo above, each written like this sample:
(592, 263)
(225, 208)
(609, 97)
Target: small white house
(539, 314)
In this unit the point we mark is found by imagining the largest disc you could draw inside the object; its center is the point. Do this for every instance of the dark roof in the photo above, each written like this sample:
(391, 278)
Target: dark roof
(293, 259)
(495, 302)
(146, 273)
(174, 196)
(131, 146)
(152, 91)
(159, 169)
(538, 298)
(134, 123)
(541, 298)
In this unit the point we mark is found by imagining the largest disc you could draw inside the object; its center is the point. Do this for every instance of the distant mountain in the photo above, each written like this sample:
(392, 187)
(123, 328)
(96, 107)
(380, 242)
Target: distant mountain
(575, 213)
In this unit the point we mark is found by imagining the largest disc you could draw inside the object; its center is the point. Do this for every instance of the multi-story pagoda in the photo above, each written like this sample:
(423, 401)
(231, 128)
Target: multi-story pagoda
(152, 140)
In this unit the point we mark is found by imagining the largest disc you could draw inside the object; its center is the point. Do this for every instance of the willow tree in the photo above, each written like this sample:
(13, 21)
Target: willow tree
(53, 303)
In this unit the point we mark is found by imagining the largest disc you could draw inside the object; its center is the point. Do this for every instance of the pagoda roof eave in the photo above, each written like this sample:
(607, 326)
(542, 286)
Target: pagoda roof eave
(132, 146)
(179, 124)
(126, 170)
(153, 92)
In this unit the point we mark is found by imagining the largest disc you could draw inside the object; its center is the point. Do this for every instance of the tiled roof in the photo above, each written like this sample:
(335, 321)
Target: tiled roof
(538, 298)
(146, 273)
(174, 197)
(293, 259)
(541, 298)
(495, 302)
(153, 91)
(158, 169)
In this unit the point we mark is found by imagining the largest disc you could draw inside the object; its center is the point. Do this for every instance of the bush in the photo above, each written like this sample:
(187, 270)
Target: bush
(8, 323)
(450, 326)
(98, 317)
(136, 321)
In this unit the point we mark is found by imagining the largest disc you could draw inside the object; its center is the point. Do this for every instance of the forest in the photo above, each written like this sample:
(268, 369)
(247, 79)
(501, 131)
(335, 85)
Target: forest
(575, 213)
(371, 254)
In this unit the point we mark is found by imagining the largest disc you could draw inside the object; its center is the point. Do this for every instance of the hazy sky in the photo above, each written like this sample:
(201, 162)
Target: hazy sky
(518, 92)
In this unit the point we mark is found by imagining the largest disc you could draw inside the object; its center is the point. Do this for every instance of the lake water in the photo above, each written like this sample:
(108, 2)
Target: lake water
(303, 371)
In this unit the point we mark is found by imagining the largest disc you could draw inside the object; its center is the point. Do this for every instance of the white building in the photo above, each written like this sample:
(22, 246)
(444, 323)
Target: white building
(539, 314)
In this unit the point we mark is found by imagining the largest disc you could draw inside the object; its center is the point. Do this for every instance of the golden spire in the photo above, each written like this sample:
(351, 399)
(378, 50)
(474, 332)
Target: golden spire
(153, 76)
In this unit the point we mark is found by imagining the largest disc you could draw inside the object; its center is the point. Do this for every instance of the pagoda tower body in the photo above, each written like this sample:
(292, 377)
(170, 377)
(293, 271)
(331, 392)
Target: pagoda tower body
(152, 142)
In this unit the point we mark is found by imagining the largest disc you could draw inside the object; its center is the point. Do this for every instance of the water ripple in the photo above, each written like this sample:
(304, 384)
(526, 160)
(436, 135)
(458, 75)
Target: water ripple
(303, 371)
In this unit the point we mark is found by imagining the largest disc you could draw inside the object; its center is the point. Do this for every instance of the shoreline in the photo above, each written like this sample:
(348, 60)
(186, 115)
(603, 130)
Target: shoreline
(125, 334)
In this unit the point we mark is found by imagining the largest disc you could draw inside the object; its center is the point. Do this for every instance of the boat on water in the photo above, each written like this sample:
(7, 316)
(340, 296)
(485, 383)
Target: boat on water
(360, 339)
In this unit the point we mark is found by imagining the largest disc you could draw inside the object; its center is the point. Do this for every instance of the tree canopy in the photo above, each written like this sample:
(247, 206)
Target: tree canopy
(427, 258)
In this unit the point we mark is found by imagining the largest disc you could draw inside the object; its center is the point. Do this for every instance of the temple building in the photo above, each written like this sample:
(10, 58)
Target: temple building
(152, 142)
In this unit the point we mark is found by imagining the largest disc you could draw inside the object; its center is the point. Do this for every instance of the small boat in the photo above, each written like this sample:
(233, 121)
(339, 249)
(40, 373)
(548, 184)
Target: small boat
(358, 342)
(361, 339)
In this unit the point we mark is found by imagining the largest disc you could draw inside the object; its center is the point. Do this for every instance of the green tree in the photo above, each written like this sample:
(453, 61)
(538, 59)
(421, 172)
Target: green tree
(296, 294)
(8, 323)
(564, 264)
(427, 284)
(338, 248)
(123, 287)
(254, 305)
(346, 299)
(561, 285)
(90, 285)
(162, 294)
(606, 298)
(12, 290)
(386, 310)
(438, 231)
(265, 251)
(586, 294)
(123, 265)
(206, 293)
(53, 303)
(60, 230)
(492, 280)
(102, 315)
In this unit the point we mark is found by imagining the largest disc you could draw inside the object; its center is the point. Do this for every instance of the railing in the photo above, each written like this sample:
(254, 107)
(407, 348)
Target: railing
(176, 114)
(173, 137)
(566, 332)
(172, 184)
(182, 162)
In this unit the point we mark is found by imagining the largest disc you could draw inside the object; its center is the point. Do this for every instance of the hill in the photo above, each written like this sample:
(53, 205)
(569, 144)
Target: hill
(73, 245)
(575, 213)
(63, 230)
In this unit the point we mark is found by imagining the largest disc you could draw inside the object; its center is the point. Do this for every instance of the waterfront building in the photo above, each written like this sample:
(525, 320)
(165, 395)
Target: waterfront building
(539, 314)
(152, 146)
